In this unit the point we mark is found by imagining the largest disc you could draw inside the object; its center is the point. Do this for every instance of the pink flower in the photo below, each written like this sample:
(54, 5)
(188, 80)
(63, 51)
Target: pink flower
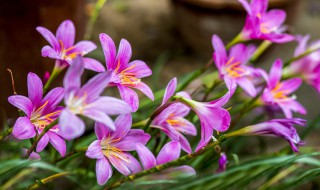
(112, 147)
(263, 24)
(126, 75)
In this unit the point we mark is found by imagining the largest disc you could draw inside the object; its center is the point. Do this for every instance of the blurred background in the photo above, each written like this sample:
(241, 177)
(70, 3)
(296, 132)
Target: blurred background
(172, 36)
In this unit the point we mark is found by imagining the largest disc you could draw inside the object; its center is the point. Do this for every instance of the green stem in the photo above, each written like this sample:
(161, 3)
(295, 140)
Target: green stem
(54, 74)
(236, 40)
(263, 46)
(37, 139)
(71, 154)
(302, 55)
(176, 162)
(47, 179)
(6, 133)
(99, 4)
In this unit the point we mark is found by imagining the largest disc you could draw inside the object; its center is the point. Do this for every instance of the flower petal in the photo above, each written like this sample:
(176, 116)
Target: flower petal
(186, 128)
(53, 98)
(47, 51)
(247, 86)
(49, 37)
(185, 145)
(134, 137)
(274, 18)
(169, 152)
(147, 159)
(58, 143)
(23, 128)
(99, 116)
(109, 50)
(94, 150)
(129, 96)
(275, 73)
(139, 69)
(170, 89)
(66, 32)
(93, 65)
(115, 106)
(43, 142)
(21, 102)
(83, 47)
(124, 54)
(132, 164)
(72, 79)
(220, 53)
(103, 171)
(290, 85)
(119, 164)
(145, 89)
(71, 126)
(101, 130)
(206, 134)
(123, 124)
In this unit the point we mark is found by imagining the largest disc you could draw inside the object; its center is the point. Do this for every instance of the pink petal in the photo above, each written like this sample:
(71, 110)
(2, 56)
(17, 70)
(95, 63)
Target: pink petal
(129, 96)
(93, 65)
(139, 68)
(187, 128)
(185, 145)
(23, 128)
(101, 130)
(47, 51)
(169, 152)
(103, 171)
(58, 143)
(21, 102)
(302, 46)
(43, 142)
(290, 85)
(124, 54)
(274, 18)
(83, 47)
(170, 89)
(220, 53)
(123, 124)
(206, 134)
(246, 6)
(94, 150)
(134, 137)
(72, 78)
(109, 50)
(119, 164)
(71, 126)
(147, 159)
(53, 98)
(133, 164)
(115, 106)
(66, 32)
(259, 6)
(98, 116)
(145, 89)
(275, 73)
(49, 37)
(247, 86)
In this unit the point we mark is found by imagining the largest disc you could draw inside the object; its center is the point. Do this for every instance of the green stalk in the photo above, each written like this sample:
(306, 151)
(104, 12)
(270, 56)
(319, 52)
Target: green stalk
(261, 49)
(6, 133)
(47, 179)
(54, 74)
(236, 40)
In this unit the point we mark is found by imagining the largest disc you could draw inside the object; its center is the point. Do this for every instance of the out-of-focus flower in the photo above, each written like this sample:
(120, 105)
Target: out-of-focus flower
(263, 24)
(125, 75)
(233, 68)
(112, 146)
(277, 127)
(39, 113)
(171, 121)
(168, 153)
(308, 68)
(277, 92)
(33, 155)
(63, 49)
(86, 101)
(211, 114)
(223, 161)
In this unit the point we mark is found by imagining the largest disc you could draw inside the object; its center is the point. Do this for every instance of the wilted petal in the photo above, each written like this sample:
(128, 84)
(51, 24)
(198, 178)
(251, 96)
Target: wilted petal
(93, 65)
(49, 37)
(58, 143)
(170, 89)
(169, 152)
(66, 32)
(103, 171)
(23, 128)
(21, 102)
(129, 96)
(94, 150)
(124, 54)
(147, 159)
(109, 50)
(43, 142)
(71, 126)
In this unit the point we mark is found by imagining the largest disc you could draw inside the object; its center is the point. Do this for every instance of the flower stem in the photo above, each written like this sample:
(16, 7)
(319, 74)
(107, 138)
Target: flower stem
(236, 40)
(71, 154)
(55, 73)
(176, 162)
(48, 179)
(263, 46)
(34, 144)
(6, 133)
(302, 55)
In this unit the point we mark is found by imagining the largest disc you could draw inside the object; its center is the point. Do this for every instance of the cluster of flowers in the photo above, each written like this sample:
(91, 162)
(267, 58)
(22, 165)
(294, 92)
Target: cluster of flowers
(116, 138)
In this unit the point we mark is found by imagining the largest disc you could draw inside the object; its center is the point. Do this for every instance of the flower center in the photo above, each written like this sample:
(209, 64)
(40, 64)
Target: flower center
(108, 149)
(127, 77)
(280, 95)
(65, 53)
(77, 104)
(234, 69)
(174, 121)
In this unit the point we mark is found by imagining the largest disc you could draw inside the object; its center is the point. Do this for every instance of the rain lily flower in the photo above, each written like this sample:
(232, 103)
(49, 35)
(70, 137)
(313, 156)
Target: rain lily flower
(39, 113)
(211, 114)
(125, 75)
(277, 127)
(172, 122)
(112, 146)
(277, 93)
(86, 101)
(63, 49)
(263, 24)
(223, 161)
(168, 153)
(308, 68)
(233, 68)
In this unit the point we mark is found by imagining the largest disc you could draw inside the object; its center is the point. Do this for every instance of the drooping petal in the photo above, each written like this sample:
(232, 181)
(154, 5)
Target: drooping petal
(124, 54)
(111, 106)
(23, 129)
(71, 126)
(99, 116)
(145, 89)
(134, 137)
(147, 159)
(43, 142)
(185, 145)
(66, 32)
(103, 170)
(139, 69)
(49, 37)
(101, 130)
(94, 150)
(169, 152)
(72, 79)
(53, 98)
(206, 134)
(123, 124)
(83, 47)
(170, 89)
(220, 53)
(247, 86)
(93, 65)
(21, 102)
(129, 96)
(58, 143)
(275, 73)
(95, 86)
(109, 50)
